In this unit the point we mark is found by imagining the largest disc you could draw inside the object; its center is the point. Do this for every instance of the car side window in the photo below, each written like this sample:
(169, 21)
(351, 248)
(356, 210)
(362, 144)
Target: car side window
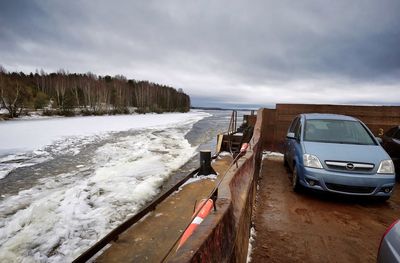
(294, 124)
(391, 132)
(297, 130)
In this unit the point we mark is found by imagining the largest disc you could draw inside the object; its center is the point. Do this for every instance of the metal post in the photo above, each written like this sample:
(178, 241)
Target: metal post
(205, 163)
(235, 121)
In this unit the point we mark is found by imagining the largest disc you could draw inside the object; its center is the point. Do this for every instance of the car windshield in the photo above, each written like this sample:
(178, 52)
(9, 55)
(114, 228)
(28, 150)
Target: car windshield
(337, 131)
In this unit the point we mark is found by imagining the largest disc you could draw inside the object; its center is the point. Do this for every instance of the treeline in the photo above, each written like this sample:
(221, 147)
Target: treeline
(67, 94)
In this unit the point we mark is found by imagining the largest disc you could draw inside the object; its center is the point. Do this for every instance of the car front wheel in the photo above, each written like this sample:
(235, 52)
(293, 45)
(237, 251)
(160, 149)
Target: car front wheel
(285, 162)
(295, 179)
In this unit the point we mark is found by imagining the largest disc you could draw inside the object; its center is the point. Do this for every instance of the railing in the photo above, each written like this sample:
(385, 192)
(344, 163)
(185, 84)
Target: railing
(213, 195)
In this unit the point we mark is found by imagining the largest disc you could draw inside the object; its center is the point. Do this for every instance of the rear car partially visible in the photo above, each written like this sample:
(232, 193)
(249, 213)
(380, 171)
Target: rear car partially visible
(389, 249)
(391, 143)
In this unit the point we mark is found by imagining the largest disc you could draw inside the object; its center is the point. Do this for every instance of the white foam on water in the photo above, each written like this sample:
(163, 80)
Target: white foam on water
(64, 215)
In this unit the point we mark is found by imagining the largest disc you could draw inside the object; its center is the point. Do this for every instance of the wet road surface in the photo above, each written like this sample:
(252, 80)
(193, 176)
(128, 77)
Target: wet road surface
(314, 227)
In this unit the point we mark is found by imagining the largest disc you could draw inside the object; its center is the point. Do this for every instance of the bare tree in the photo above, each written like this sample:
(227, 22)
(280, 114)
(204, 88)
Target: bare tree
(10, 97)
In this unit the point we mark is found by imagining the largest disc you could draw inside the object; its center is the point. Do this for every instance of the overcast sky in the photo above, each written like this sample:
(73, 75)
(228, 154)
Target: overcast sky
(219, 52)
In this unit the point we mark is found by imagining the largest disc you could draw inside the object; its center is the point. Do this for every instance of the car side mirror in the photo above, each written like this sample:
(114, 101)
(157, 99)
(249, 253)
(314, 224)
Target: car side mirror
(379, 139)
(290, 135)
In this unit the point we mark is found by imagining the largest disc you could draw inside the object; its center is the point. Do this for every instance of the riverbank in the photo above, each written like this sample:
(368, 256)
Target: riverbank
(36, 114)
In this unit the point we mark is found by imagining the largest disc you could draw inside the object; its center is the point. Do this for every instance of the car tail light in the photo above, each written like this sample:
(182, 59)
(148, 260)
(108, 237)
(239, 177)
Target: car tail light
(387, 231)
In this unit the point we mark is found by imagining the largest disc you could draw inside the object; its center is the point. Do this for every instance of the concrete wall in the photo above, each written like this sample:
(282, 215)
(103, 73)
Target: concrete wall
(224, 235)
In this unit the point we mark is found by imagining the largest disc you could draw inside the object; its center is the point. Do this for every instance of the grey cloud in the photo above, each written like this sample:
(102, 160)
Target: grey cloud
(215, 46)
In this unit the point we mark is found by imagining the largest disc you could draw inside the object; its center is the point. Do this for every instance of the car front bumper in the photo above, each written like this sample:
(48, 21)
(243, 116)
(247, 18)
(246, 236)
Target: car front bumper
(347, 183)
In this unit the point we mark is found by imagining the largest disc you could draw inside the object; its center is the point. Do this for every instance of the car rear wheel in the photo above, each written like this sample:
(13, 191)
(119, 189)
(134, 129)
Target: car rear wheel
(295, 179)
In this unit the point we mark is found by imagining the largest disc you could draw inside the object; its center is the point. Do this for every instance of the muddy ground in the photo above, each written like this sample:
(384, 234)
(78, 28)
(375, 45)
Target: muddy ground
(314, 227)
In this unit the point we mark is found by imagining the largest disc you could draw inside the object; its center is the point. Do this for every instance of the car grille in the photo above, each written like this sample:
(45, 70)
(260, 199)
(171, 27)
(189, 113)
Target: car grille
(349, 166)
(350, 189)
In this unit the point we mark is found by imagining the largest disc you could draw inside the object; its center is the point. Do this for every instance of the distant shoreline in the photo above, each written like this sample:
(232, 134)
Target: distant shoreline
(223, 109)
(42, 114)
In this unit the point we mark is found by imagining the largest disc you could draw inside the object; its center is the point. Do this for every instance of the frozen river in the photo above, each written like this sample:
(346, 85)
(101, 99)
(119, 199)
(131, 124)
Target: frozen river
(66, 182)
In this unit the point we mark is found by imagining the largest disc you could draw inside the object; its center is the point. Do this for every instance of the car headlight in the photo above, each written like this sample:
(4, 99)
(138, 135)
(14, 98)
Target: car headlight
(386, 167)
(312, 161)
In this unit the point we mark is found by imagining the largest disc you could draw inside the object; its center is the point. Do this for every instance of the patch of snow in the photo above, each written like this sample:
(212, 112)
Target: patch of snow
(251, 240)
(266, 154)
(224, 154)
(199, 178)
(196, 179)
(35, 116)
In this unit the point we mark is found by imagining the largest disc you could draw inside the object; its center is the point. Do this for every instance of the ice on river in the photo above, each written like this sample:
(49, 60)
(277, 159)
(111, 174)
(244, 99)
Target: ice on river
(27, 142)
(63, 215)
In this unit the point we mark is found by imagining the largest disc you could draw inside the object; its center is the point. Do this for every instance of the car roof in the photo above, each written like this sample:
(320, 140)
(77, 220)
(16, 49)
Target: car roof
(327, 116)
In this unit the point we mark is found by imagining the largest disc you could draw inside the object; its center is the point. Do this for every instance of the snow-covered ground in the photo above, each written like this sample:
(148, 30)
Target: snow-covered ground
(266, 154)
(251, 241)
(63, 215)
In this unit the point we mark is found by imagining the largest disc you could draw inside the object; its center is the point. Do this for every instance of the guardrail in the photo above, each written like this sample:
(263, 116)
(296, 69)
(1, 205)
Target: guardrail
(224, 235)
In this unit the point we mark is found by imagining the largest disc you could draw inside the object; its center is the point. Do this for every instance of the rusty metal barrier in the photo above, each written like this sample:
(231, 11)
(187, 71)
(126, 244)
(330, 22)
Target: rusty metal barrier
(213, 196)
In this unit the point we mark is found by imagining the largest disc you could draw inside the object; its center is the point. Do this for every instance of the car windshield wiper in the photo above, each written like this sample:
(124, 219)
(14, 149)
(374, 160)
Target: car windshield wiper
(356, 143)
(338, 142)
(344, 142)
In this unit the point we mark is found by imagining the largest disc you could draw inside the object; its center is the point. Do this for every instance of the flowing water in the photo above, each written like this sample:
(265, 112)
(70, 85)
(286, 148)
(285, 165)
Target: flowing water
(58, 200)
